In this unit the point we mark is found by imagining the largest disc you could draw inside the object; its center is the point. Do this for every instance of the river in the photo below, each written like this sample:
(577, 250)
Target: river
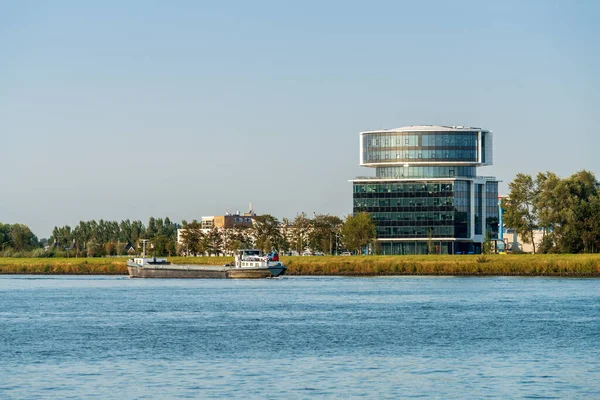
(299, 337)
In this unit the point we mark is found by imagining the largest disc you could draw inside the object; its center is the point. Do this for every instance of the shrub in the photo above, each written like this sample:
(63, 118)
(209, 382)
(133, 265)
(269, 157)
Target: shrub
(482, 259)
(38, 253)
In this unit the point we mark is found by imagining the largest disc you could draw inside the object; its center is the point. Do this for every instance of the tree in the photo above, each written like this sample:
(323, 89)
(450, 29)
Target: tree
(110, 248)
(548, 207)
(324, 228)
(430, 245)
(214, 241)
(151, 231)
(520, 212)
(568, 211)
(358, 231)
(266, 232)
(22, 238)
(577, 215)
(162, 235)
(62, 237)
(5, 237)
(138, 231)
(192, 239)
(240, 238)
(301, 226)
(487, 243)
(286, 230)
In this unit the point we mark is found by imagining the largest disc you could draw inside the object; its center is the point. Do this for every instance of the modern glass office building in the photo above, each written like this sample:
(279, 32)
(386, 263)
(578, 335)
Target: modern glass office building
(426, 196)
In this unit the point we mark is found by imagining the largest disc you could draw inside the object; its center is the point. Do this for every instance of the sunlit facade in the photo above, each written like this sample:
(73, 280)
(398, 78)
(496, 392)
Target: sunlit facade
(426, 196)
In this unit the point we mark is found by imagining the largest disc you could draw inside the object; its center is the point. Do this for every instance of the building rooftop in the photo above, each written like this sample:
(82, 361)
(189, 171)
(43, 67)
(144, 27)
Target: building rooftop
(428, 128)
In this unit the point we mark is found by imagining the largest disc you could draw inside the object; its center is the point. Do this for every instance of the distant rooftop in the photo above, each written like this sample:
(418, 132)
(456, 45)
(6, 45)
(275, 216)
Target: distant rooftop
(429, 128)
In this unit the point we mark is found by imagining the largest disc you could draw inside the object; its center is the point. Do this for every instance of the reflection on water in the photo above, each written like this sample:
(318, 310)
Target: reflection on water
(298, 337)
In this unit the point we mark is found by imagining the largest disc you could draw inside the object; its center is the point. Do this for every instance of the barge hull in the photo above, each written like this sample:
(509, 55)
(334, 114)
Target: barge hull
(197, 273)
(137, 272)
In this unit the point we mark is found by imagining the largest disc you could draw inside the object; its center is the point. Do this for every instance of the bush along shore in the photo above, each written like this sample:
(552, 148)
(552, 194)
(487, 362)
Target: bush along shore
(574, 265)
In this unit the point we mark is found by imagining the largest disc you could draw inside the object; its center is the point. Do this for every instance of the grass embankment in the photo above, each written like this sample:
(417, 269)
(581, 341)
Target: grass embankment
(87, 266)
(472, 265)
(583, 265)
(63, 266)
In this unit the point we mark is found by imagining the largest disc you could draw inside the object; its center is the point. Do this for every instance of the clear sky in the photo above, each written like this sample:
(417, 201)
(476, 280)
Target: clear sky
(131, 109)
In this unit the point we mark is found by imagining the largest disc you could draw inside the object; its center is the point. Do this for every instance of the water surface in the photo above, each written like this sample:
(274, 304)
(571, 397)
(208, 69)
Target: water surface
(299, 337)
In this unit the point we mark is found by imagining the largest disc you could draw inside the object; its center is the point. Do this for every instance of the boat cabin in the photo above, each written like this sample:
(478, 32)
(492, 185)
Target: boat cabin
(253, 258)
(141, 261)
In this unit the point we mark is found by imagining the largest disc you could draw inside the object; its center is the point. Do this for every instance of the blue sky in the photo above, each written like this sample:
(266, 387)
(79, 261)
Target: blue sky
(133, 109)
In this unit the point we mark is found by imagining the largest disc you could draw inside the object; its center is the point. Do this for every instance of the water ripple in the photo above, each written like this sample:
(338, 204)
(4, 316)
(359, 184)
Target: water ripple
(330, 337)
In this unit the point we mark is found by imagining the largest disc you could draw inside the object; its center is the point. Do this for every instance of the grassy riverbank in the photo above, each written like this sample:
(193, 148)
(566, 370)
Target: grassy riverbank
(507, 265)
(474, 265)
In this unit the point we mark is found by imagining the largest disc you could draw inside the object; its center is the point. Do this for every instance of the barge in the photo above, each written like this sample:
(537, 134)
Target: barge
(249, 264)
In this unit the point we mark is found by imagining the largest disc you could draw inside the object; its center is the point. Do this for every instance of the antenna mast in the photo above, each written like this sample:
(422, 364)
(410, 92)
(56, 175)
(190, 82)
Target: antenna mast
(144, 241)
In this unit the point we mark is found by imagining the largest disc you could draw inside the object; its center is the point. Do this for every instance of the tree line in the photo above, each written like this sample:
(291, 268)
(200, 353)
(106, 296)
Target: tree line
(567, 211)
(322, 233)
(90, 239)
(325, 234)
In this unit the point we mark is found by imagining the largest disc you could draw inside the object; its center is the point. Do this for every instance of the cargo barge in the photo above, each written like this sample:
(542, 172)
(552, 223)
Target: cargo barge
(249, 264)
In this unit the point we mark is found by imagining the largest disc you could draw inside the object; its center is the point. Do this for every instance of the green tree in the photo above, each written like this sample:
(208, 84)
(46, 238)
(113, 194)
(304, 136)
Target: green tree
(520, 212)
(138, 231)
(162, 233)
(266, 232)
(152, 230)
(214, 241)
(548, 207)
(192, 239)
(61, 237)
(286, 229)
(322, 235)
(110, 248)
(577, 225)
(358, 231)
(125, 231)
(487, 243)
(241, 236)
(5, 237)
(301, 227)
(22, 238)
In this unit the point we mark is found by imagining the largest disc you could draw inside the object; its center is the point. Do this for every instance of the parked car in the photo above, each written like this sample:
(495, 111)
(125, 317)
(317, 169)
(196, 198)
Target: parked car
(307, 253)
(319, 253)
(346, 253)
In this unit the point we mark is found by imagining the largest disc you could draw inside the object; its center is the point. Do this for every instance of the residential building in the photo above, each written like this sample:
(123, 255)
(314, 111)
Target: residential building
(227, 221)
(426, 196)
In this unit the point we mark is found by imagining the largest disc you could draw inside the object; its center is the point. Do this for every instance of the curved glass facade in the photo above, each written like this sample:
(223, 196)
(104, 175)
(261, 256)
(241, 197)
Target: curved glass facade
(425, 172)
(420, 147)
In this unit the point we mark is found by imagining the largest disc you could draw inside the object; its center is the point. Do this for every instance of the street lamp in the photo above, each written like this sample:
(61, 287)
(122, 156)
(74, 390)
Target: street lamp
(337, 235)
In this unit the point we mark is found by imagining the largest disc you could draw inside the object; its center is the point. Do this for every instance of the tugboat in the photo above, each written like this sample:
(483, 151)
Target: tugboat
(249, 264)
